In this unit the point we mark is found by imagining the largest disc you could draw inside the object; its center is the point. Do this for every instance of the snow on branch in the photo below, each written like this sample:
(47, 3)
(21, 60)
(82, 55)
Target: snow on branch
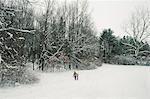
(85, 47)
(127, 44)
(83, 36)
(77, 59)
(141, 52)
(15, 29)
(57, 51)
(9, 9)
(0, 59)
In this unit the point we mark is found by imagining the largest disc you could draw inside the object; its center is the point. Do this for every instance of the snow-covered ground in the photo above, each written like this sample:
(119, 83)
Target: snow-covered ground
(106, 82)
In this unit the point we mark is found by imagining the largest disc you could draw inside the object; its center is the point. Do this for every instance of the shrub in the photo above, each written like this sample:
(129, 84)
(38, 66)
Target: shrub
(98, 62)
(90, 64)
(16, 75)
(87, 66)
(124, 60)
(145, 61)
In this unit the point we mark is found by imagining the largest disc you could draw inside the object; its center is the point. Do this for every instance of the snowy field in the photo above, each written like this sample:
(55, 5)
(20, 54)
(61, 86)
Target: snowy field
(106, 82)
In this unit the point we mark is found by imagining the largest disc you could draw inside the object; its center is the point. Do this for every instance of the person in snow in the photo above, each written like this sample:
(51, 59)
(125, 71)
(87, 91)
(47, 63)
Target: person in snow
(75, 75)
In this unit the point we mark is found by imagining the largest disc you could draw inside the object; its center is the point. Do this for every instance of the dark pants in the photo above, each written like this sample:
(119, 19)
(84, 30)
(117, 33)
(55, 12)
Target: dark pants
(76, 77)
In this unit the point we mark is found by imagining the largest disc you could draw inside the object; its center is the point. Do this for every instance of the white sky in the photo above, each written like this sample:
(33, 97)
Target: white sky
(113, 13)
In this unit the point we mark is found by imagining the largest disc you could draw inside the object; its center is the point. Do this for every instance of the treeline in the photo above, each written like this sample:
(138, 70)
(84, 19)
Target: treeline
(123, 51)
(133, 49)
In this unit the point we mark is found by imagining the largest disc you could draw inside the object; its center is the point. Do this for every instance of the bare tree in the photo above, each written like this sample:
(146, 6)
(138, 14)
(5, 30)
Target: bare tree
(139, 29)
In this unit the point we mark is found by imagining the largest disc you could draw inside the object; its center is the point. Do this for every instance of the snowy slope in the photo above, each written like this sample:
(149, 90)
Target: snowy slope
(106, 82)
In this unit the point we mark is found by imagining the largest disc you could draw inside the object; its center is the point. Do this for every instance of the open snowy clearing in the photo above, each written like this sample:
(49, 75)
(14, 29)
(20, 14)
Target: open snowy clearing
(106, 82)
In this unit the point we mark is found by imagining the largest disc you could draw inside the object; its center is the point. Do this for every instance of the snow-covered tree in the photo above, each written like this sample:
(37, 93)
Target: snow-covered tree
(67, 29)
(138, 28)
(15, 25)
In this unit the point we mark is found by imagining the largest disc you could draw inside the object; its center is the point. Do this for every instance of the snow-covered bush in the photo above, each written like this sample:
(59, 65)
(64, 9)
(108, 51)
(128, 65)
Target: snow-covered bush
(88, 64)
(147, 63)
(124, 60)
(15, 75)
(98, 62)
(144, 61)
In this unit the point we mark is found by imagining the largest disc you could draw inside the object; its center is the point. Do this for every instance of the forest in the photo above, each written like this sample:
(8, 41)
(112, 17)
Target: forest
(63, 37)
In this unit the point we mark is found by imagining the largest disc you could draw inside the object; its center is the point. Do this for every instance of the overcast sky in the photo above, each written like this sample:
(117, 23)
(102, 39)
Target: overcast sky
(113, 13)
